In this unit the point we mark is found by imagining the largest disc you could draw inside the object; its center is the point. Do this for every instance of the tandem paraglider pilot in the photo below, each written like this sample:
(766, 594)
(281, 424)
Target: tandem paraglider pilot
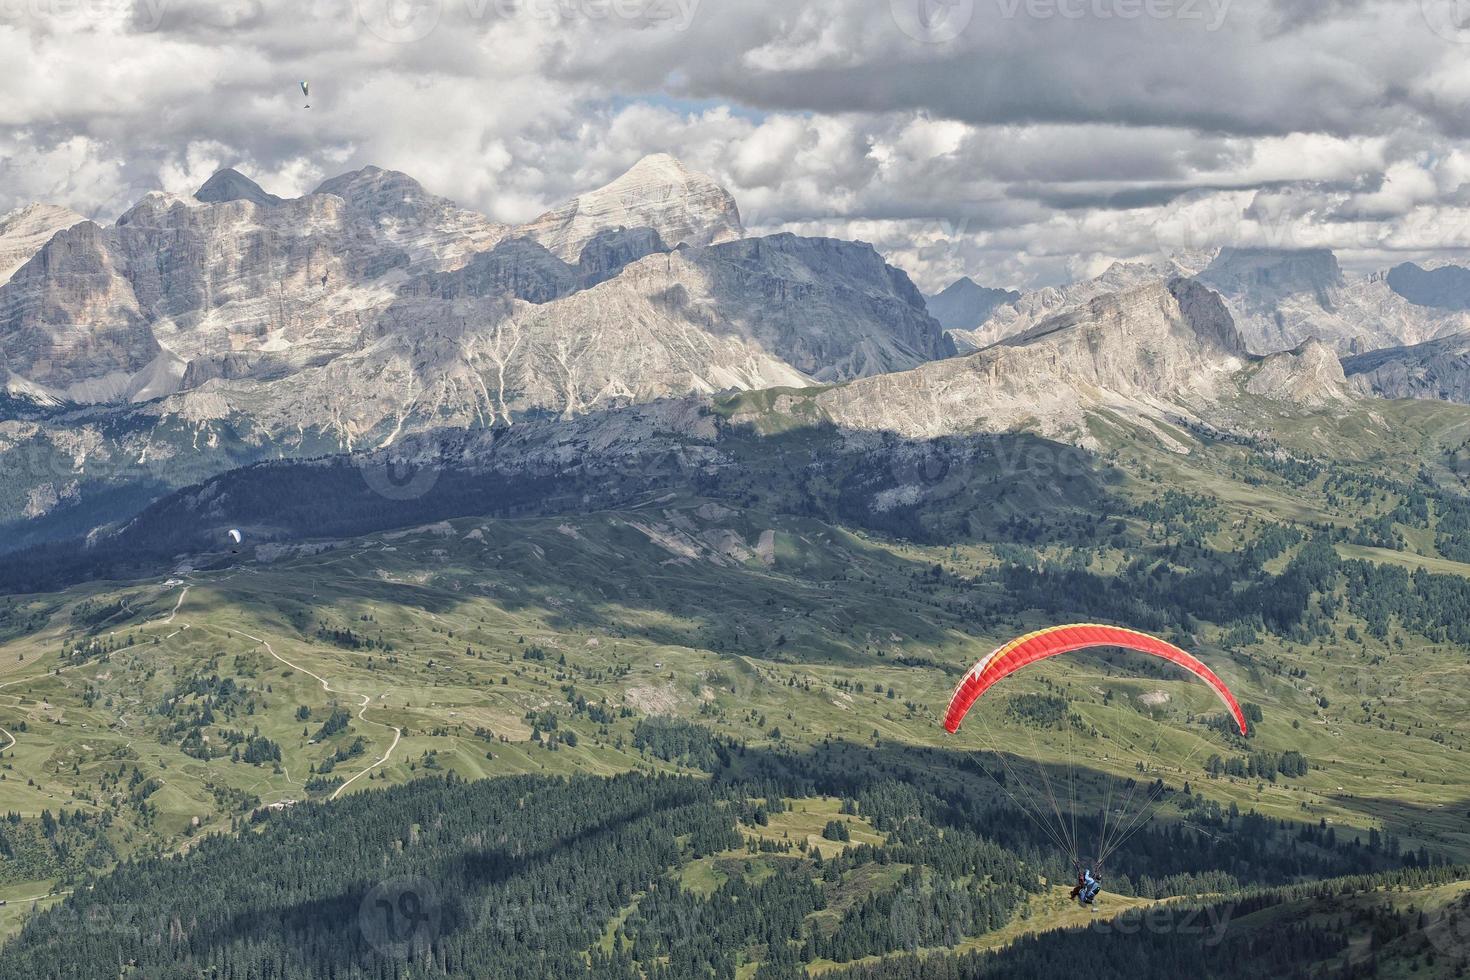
(1086, 888)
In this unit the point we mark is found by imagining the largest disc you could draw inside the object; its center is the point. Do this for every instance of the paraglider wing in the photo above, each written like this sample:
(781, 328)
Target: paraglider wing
(235, 535)
(1023, 651)
(306, 90)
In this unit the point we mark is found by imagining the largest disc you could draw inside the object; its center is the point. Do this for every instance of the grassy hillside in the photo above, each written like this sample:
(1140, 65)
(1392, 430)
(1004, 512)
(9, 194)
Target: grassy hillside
(818, 616)
(433, 629)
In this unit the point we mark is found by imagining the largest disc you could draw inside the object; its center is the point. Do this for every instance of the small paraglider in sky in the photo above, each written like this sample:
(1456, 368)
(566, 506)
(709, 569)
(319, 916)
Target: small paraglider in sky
(235, 538)
(306, 91)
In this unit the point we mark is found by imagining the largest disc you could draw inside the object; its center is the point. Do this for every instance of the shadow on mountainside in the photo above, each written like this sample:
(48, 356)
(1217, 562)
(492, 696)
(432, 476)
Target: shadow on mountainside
(925, 490)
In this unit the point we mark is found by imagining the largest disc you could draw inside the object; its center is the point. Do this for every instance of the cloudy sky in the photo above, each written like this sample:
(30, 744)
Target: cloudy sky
(1022, 142)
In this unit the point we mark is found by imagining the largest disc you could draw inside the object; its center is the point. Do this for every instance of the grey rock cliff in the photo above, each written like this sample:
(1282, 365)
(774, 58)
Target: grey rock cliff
(25, 231)
(1438, 369)
(1158, 353)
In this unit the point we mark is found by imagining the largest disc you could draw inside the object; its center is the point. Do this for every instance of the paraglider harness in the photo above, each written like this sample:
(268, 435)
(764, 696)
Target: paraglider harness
(1087, 887)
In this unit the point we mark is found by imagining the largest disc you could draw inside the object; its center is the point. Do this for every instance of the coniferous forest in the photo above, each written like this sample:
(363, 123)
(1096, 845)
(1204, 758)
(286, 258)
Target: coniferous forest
(531, 877)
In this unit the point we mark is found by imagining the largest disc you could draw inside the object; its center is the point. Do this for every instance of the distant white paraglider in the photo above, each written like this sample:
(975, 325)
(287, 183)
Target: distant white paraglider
(306, 91)
(235, 535)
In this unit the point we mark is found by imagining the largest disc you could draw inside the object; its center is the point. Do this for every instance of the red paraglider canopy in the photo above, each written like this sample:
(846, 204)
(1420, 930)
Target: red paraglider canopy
(1022, 651)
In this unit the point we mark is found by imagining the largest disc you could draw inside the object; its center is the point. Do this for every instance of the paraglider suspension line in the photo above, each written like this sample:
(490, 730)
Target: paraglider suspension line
(1057, 833)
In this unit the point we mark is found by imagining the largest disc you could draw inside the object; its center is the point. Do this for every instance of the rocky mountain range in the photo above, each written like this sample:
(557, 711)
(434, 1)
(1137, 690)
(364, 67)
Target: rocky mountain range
(236, 325)
(1437, 369)
(1020, 315)
(120, 313)
(195, 335)
(1279, 298)
(1162, 362)
(441, 312)
(1164, 351)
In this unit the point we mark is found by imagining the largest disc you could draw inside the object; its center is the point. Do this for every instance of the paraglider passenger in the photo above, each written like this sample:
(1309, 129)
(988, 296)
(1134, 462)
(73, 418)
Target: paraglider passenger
(1086, 888)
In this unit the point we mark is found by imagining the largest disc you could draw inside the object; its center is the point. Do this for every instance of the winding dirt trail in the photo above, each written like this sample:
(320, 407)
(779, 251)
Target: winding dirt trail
(22, 680)
(364, 701)
(17, 700)
(38, 898)
(175, 611)
(361, 711)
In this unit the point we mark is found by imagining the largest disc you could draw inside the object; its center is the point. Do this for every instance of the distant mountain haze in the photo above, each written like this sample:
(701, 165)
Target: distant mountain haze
(965, 305)
(1279, 298)
(231, 185)
(1446, 287)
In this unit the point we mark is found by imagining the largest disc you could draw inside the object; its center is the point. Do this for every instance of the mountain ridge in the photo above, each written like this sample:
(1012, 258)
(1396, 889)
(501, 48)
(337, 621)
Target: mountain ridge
(1437, 369)
(1280, 298)
(1160, 349)
(683, 206)
(965, 305)
(236, 282)
(26, 230)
